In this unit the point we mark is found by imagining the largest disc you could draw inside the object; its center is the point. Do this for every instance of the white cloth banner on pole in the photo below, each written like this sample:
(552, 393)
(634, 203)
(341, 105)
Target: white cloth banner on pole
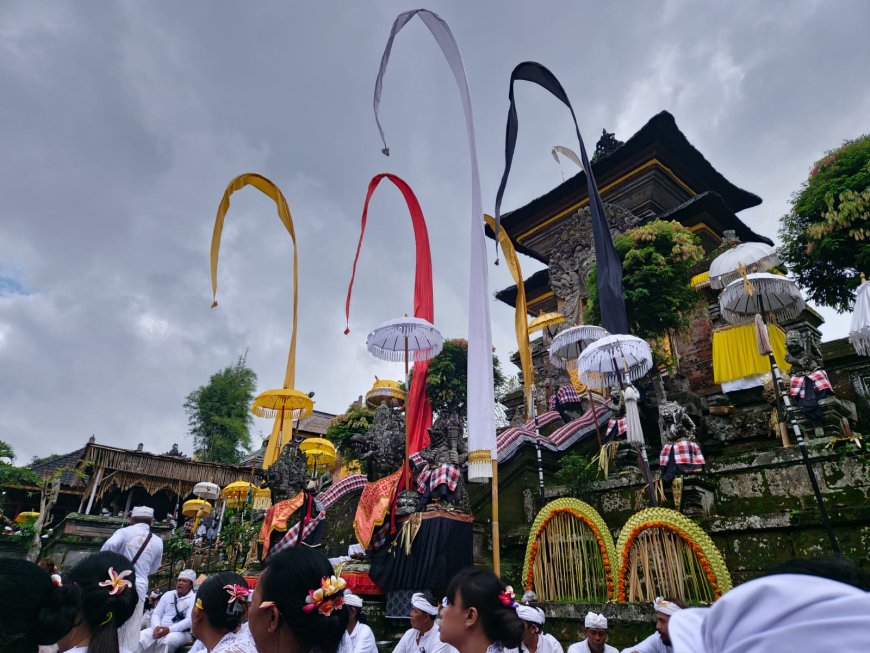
(481, 396)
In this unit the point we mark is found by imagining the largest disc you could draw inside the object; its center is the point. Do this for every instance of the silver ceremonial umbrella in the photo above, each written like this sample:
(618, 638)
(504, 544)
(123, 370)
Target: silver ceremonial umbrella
(619, 360)
(745, 258)
(405, 338)
(762, 295)
(567, 345)
(614, 361)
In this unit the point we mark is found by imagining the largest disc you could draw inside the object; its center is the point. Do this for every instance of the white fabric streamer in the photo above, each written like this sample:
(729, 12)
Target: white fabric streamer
(859, 329)
(481, 396)
(633, 431)
(568, 153)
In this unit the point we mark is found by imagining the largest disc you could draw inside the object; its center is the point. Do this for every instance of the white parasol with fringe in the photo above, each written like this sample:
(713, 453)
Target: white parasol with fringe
(745, 258)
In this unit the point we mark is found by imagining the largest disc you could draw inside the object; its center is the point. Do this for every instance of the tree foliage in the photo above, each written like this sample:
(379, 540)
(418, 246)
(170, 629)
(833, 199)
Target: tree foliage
(219, 416)
(447, 380)
(578, 474)
(825, 234)
(356, 419)
(10, 474)
(657, 259)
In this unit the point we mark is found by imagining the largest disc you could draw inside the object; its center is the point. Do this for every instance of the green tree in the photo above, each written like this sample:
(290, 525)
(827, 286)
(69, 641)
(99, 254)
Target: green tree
(447, 380)
(825, 234)
(578, 474)
(657, 259)
(356, 419)
(219, 415)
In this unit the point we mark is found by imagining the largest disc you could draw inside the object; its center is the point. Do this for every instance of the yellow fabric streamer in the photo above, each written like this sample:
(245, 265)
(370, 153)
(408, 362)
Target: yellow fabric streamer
(735, 352)
(268, 188)
(521, 320)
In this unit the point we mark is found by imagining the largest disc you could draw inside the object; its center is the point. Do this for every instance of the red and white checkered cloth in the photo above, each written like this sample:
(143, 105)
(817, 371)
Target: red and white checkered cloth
(551, 405)
(567, 394)
(610, 424)
(292, 536)
(432, 477)
(820, 382)
(686, 452)
(353, 483)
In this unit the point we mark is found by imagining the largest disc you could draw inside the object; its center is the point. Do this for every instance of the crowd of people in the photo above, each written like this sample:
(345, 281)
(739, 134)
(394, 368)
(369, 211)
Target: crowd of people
(100, 605)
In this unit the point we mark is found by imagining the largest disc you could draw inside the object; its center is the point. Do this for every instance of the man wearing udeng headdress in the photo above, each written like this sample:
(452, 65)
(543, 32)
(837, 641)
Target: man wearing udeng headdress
(596, 636)
(660, 641)
(424, 636)
(534, 638)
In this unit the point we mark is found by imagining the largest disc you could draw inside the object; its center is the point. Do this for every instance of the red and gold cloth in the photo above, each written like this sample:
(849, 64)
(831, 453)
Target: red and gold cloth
(373, 506)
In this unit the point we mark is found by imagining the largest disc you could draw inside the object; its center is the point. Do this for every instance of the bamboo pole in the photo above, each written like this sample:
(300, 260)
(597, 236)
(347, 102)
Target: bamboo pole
(496, 551)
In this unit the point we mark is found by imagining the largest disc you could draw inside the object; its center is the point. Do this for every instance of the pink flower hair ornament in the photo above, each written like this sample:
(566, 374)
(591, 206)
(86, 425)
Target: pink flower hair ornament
(118, 582)
(326, 598)
(238, 592)
(507, 598)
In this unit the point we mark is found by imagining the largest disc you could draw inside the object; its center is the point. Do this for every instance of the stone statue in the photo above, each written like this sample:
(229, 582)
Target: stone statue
(288, 475)
(444, 457)
(802, 352)
(676, 423)
(681, 454)
(383, 445)
(573, 254)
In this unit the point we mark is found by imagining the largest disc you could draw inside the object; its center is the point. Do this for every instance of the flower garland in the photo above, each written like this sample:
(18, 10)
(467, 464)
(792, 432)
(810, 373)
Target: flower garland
(590, 517)
(699, 542)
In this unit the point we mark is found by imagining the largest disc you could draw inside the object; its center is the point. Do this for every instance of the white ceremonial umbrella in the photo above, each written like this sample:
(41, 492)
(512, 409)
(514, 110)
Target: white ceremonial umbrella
(206, 490)
(763, 296)
(567, 345)
(405, 338)
(859, 330)
(614, 360)
(745, 258)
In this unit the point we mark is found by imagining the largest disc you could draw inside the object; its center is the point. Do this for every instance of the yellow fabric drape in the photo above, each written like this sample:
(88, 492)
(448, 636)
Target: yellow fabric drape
(268, 188)
(521, 320)
(735, 352)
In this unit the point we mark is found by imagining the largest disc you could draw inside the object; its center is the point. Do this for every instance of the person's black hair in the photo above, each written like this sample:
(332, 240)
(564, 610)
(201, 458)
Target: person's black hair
(220, 612)
(838, 569)
(287, 580)
(103, 613)
(33, 611)
(480, 589)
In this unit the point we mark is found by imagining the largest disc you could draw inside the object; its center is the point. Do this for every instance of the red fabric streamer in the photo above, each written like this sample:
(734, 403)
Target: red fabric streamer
(418, 410)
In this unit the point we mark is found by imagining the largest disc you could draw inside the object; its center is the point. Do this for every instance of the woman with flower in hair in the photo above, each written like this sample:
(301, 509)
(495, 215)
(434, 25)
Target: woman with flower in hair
(103, 587)
(298, 605)
(221, 607)
(480, 614)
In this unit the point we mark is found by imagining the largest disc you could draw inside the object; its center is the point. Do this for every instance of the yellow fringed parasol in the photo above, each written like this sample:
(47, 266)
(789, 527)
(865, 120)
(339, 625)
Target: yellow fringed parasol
(318, 451)
(545, 320)
(383, 390)
(272, 403)
(196, 507)
(25, 517)
(236, 493)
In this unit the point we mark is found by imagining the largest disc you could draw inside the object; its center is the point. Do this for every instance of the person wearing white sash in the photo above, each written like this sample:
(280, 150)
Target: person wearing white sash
(362, 639)
(144, 549)
(596, 636)
(535, 640)
(171, 620)
(659, 641)
(424, 636)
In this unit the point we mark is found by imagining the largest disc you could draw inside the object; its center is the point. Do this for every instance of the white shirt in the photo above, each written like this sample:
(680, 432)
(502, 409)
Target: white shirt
(430, 642)
(546, 644)
(363, 640)
(583, 647)
(127, 541)
(652, 644)
(165, 611)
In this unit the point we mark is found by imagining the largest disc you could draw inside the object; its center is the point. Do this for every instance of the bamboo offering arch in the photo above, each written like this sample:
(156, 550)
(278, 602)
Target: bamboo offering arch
(664, 553)
(570, 554)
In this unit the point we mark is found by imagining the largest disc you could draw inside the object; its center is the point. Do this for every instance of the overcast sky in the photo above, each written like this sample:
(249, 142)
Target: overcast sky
(121, 124)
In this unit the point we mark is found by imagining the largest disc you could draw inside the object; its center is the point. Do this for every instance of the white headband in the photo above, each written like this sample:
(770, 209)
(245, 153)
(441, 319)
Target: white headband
(665, 607)
(531, 614)
(594, 620)
(352, 599)
(419, 601)
(785, 612)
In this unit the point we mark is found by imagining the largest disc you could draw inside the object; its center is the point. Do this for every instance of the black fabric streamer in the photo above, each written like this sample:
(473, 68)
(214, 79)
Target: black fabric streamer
(610, 297)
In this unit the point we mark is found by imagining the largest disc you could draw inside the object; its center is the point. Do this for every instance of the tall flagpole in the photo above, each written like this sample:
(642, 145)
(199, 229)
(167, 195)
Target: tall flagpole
(496, 548)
